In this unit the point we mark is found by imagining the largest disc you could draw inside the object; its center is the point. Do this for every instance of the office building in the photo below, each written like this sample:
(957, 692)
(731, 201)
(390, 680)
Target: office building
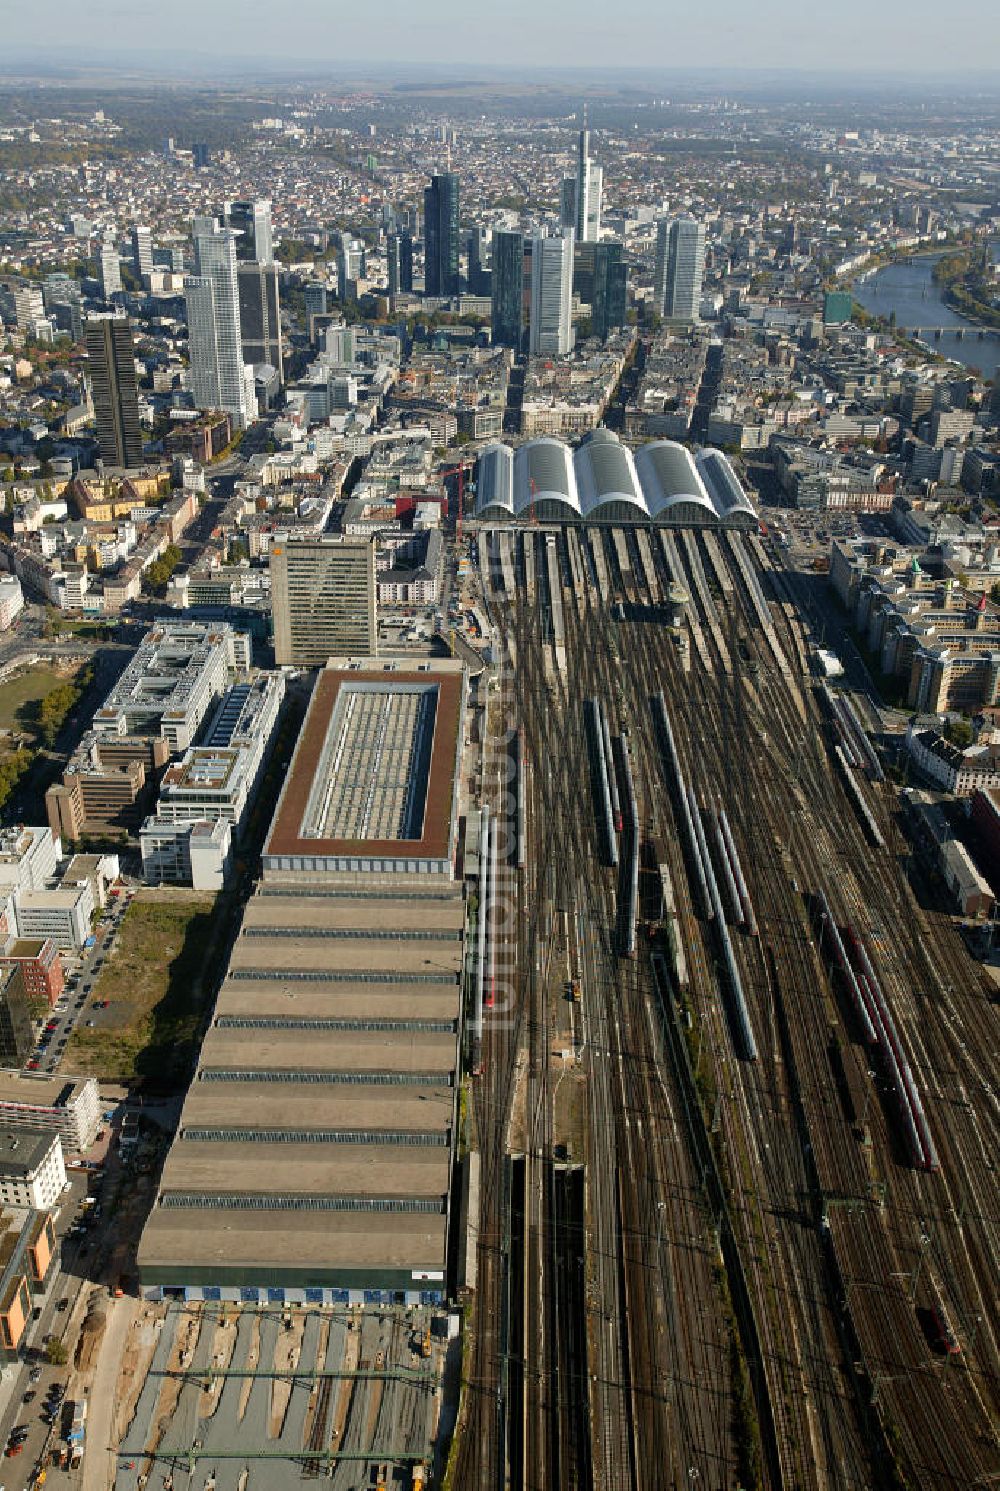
(551, 326)
(587, 197)
(62, 303)
(441, 277)
(322, 597)
(32, 1172)
(260, 315)
(110, 271)
(608, 303)
(142, 251)
(507, 308)
(251, 222)
(350, 266)
(400, 251)
(314, 304)
(69, 1105)
(567, 204)
(201, 156)
(17, 1035)
(40, 967)
(115, 389)
(218, 373)
(477, 254)
(680, 268)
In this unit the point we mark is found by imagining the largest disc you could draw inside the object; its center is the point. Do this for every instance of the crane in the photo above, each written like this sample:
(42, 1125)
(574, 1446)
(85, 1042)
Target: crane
(458, 471)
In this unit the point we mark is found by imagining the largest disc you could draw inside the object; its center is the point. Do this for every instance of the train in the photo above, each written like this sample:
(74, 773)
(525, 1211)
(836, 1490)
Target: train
(744, 1042)
(749, 919)
(871, 828)
(520, 802)
(602, 781)
(628, 895)
(913, 1117)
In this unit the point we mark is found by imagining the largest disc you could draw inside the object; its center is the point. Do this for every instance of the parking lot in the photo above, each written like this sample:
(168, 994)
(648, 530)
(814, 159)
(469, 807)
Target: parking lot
(76, 1004)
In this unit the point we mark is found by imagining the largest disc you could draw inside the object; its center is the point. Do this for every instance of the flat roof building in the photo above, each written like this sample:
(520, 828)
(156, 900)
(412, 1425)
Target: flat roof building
(70, 1105)
(32, 1172)
(372, 785)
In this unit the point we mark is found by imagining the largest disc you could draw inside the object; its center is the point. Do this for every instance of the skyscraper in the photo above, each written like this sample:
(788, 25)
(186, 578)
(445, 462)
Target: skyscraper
(400, 264)
(350, 266)
(322, 598)
(260, 314)
(441, 236)
(314, 304)
(142, 250)
(610, 288)
(589, 184)
(111, 270)
(251, 221)
(111, 355)
(507, 290)
(567, 204)
(551, 326)
(218, 379)
(680, 268)
(478, 276)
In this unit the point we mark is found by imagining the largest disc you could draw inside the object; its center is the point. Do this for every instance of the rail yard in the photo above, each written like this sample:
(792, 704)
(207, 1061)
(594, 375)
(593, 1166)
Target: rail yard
(733, 1103)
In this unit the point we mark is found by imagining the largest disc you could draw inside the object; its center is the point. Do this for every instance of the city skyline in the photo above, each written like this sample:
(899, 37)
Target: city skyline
(895, 39)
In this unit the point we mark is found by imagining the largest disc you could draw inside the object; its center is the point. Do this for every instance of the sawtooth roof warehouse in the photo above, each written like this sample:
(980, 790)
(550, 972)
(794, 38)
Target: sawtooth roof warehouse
(313, 1160)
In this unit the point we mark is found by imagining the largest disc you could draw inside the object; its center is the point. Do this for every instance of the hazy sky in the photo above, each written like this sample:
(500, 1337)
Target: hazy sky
(869, 35)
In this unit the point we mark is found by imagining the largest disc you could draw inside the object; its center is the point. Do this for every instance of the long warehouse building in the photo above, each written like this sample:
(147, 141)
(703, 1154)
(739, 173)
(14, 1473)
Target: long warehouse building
(313, 1160)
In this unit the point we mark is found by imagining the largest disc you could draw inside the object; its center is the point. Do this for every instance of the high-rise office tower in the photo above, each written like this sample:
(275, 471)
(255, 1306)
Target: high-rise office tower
(251, 222)
(400, 264)
(314, 298)
(551, 325)
(17, 1034)
(142, 250)
(441, 236)
(680, 268)
(111, 355)
(477, 253)
(201, 156)
(111, 270)
(589, 184)
(567, 204)
(610, 288)
(350, 265)
(322, 598)
(218, 378)
(507, 290)
(260, 315)
(61, 297)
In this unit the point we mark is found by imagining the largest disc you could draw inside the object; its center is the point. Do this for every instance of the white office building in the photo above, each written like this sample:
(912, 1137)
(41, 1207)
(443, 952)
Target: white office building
(219, 378)
(32, 1170)
(551, 323)
(111, 270)
(680, 268)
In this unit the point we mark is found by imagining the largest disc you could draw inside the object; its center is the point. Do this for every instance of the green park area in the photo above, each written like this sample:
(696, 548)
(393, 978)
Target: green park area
(158, 977)
(23, 696)
(33, 707)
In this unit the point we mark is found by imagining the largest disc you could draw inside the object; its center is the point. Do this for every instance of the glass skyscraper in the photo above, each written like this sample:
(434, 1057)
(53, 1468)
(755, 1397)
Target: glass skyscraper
(441, 236)
(218, 374)
(610, 288)
(507, 290)
(680, 268)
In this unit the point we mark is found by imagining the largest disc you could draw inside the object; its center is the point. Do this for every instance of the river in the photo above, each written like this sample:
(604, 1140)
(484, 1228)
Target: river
(909, 289)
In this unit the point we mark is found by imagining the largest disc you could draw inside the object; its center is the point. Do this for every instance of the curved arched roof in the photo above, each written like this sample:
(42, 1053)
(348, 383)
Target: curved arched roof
(732, 503)
(606, 479)
(669, 480)
(495, 482)
(545, 481)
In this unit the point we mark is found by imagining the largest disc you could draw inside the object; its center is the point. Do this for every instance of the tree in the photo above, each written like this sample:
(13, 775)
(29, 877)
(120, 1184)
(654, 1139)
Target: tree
(55, 1352)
